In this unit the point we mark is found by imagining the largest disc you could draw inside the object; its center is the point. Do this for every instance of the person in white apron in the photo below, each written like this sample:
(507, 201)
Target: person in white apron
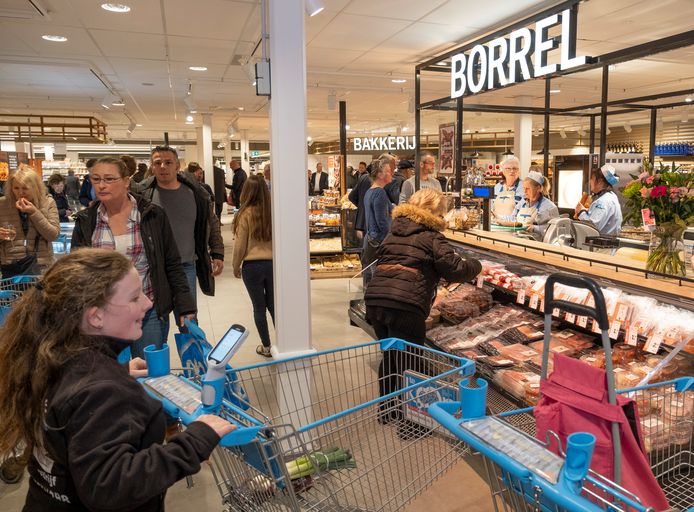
(604, 212)
(535, 210)
(508, 192)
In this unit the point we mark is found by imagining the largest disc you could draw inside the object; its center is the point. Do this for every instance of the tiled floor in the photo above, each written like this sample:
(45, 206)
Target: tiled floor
(459, 489)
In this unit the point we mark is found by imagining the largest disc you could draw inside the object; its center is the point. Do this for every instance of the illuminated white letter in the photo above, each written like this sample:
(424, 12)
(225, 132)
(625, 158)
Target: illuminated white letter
(458, 75)
(357, 144)
(519, 55)
(543, 45)
(478, 52)
(568, 43)
(496, 63)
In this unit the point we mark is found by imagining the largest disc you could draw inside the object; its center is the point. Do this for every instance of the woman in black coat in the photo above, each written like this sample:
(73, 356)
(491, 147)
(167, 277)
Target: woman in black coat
(411, 260)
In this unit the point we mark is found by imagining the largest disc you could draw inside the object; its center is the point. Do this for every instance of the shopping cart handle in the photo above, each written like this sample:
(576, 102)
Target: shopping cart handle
(239, 436)
(599, 312)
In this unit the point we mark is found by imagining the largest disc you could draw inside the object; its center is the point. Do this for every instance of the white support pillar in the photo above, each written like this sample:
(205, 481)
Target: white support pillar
(289, 202)
(227, 155)
(205, 147)
(245, 151)
(523, 136)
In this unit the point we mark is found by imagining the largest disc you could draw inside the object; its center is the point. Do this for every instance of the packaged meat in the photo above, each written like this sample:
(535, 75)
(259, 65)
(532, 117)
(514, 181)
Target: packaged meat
(517, 352)
(523, 333)
(623, 378)
(513, 381)
(574, 339)
(679, 408)
(594, 359)
(623, 354)
(497, 361)
(554, 346)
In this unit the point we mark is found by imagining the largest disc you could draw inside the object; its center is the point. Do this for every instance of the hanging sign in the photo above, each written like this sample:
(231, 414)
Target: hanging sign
(384, 143)
(446, 148)
(520, 56)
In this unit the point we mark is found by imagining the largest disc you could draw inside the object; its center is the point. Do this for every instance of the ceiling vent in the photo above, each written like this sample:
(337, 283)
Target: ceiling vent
(24, 9)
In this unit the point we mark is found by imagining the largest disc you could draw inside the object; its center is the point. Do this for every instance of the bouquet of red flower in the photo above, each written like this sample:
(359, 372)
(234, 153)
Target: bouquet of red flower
(669, 194)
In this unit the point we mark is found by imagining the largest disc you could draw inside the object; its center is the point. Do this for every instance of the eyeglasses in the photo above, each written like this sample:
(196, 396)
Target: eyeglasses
(108, 180)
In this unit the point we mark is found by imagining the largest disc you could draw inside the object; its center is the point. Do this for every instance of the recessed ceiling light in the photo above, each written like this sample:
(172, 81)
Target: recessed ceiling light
(554, 91)
(254, 82)
(189, 118)
(346, 127)
(54, 39)
(442, 63)
(405, 128)
(309, 139)
(241, 108)
(120, 8)
(398, 80)
(688, 99)
(467, 130)
(197, 68)
(612, 67)
(138, 124)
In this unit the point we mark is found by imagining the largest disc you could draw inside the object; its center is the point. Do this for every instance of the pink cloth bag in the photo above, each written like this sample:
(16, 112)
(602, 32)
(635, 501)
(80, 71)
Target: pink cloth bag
(575, 399)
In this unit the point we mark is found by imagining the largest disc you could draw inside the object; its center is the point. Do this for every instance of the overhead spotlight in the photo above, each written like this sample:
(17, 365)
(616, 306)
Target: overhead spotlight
(131, 127)
(688, 99)
(230, 130)
(313, 7)
(189, 118)
(562, 133)
(190, 103)
(109, 100)
(221, 145)
(627, 127)
(118, 103)
(332, 100)
(309, 139)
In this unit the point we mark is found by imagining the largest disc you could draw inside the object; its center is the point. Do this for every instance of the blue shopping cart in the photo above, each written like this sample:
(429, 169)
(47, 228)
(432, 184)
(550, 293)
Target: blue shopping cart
(523, 474)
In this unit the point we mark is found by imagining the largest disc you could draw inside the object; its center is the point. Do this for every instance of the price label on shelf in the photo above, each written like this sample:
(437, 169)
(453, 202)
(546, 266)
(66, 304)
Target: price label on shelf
(582, 321)
(480, 281)
(622, 312)
(570, 317)
(520, 298)
(654, 342)
(632, 336)
(542, 306)
(534, 300)
(614, 329)
(555, 312)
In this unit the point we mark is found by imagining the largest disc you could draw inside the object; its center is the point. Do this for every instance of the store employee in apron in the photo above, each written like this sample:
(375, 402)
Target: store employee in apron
(604, 212)
(508, 192)
(535, 210)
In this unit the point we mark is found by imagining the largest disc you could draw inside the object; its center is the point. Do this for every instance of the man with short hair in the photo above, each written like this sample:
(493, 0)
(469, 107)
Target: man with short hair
(87, 192)
(319, 181)
(237, 182)
(403, 172)
(427, 163)
(191, 214)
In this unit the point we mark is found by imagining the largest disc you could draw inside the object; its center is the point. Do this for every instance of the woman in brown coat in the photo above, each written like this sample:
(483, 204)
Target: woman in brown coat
(28, 219)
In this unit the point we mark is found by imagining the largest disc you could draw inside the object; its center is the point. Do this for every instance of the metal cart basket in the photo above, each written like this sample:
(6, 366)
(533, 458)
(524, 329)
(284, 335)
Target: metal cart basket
(525, 476)
(309, 404)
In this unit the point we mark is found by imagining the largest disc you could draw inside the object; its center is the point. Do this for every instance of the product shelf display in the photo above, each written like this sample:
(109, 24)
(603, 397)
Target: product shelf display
(62, 167)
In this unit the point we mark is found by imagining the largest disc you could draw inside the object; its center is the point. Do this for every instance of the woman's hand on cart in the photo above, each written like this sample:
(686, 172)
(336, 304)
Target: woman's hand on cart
(221, 426)
(137, 367)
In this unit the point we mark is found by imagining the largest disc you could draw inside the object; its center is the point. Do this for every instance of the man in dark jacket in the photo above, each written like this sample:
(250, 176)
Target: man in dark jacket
(356, 197)
(87, 192)
(220, 193)
(237, 182)
(403, 172)
(317, 187)
(192, 218)
(169, 283)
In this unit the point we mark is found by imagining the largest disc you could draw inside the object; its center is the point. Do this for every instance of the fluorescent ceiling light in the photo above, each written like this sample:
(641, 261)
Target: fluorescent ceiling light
(688, 99)
(554, 91)
(241, 108)
(54, 38)
(467, 130)
(108, 100)
(398, 80)
(138, 125)
(119, 8)
(197, 68)
(313, 7)
(118, 103)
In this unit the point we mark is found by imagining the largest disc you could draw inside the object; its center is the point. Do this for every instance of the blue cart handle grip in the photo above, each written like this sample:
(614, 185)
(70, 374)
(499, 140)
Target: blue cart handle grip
(239, 436)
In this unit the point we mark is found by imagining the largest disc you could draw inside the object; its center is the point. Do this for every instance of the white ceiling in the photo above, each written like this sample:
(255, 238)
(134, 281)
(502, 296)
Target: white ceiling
(354, 47)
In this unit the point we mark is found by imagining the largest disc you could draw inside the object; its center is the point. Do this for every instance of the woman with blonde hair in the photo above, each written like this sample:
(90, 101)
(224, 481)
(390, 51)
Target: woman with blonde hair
(411, 260)
(252, 256)
(28, 224)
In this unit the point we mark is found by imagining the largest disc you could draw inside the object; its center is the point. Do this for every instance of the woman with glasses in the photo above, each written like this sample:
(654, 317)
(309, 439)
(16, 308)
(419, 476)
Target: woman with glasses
(140, 230)
(28, 224)
(508, 192)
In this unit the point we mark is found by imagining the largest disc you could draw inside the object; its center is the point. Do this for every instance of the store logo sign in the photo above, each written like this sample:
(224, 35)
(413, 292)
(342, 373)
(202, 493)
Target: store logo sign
(383, 143)
(516, 58)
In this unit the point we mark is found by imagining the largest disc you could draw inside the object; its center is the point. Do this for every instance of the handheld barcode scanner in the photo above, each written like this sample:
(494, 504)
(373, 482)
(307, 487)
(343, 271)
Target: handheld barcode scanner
(213, 382)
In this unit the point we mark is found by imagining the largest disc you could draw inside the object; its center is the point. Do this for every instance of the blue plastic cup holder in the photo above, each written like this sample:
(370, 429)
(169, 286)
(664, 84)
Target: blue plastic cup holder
(473, 397)
(158, 363)
(579, 452)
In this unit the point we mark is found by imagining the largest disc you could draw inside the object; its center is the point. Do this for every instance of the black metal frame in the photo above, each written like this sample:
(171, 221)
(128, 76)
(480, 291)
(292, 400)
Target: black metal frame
(627, 105)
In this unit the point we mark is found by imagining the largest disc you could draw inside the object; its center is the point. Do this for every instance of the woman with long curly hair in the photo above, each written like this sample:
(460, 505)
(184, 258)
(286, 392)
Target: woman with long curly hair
(92, 437)
(253, 249)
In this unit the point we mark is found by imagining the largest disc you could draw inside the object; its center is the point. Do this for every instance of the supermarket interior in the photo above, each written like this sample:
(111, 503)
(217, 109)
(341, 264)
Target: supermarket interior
(440, 254)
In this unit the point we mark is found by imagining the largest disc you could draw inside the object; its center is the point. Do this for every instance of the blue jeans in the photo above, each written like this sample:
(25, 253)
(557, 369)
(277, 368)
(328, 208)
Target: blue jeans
(189, 271)
(257, 276)
(154, 331)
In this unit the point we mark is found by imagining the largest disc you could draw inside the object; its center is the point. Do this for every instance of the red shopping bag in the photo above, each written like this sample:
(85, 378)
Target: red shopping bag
(575, 399)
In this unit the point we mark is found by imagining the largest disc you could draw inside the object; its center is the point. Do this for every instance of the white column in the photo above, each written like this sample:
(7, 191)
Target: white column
(227, 154)
(245, 151)
(289, 192)
(205, 147)
(523, 135)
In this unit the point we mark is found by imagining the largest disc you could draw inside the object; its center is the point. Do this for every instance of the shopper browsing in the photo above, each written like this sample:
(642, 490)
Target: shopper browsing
(91, 434)
(427, 164)
(140, 230)
(56, 187)
(28, 224)
(319, 181)
(412, 260)
(377, 207)
(508, 192)
(191, 214)
(604, 212)
(535, 210)
(252, 256)
(403, 173)
(356, 197)
(237, 182)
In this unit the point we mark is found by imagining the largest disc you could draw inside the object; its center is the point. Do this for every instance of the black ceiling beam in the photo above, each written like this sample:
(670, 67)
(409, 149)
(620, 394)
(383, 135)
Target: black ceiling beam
(625, 101)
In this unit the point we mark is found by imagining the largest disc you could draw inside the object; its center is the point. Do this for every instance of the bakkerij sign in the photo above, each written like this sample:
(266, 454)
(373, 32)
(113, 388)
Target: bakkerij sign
(520, 56)
(383, 143)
